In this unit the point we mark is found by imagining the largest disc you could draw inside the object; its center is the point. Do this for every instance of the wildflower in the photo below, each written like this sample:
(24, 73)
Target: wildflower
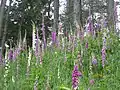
(90, 25)
(103, 56)
(86, 45)
(75, 75)
(91, 81)
(53, 37)
(94, 61)
(10, 54)
(89, 88)
(0, 58)
(43, 31)
(14, 54)
(36, 84)
(105, 23)
(29, 59)
(33, 36)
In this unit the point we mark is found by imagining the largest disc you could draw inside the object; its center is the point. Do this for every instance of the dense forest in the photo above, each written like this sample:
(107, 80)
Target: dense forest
(59, 44)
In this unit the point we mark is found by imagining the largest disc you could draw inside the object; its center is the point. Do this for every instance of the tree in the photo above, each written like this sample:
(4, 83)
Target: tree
(5, 27)
(3, 2)
(111, 13)
(77, 13)
(56, 15)
(21, 14)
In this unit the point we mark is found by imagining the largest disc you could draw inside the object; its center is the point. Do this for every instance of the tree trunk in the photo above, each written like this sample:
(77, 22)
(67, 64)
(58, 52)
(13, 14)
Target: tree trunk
(69, 15)
(3, 2)
(77, 13)
(56, 15)
(5, 27)
(111, 14)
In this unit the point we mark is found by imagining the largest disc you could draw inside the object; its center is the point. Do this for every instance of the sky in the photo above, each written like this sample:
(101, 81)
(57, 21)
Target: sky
(62, 6)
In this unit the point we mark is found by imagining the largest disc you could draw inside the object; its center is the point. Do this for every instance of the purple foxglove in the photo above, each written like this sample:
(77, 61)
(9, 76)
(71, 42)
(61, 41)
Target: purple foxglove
(103, 56)
(94, 61)
(14, 54)
(90, 25)
(105, 23)
(10, 54)
(0, 58)
(75, 75)
(91, 81)
(86, 45)
(53, 37)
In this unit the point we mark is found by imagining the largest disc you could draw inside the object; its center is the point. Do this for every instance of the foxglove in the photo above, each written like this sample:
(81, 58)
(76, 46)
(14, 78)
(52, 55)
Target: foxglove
(10, 54)
(75, 75)
(103, 56)
(43, 32)
(0, 58)
(91, 81)
(53, 37)
(94, 61)
(33, 36)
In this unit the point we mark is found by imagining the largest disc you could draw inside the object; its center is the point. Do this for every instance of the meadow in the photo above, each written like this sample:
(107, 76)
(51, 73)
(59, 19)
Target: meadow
(77, 63)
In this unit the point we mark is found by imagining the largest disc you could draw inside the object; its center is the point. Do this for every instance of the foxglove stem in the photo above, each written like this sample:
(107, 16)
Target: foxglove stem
(35, 85)
(29, 59)
(37, 44)
(33, 36)
(43, 31)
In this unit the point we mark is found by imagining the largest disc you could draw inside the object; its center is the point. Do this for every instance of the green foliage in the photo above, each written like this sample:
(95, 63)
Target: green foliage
(55, 73)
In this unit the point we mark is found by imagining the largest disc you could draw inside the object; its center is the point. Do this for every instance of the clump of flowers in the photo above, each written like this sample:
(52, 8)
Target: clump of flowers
(75, 75)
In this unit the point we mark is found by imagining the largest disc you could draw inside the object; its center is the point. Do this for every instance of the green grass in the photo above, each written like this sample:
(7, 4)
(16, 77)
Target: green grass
(55, 73)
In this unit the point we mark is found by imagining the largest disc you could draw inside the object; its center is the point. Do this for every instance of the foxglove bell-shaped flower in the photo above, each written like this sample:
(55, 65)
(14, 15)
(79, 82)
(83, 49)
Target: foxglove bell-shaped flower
(33, 36)
(86, 45)
(103, 56)
(14, 54)
(75, 75)
(10, 54)
(94, 61)
(91, 81)
(53, 37)
(0, 58)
